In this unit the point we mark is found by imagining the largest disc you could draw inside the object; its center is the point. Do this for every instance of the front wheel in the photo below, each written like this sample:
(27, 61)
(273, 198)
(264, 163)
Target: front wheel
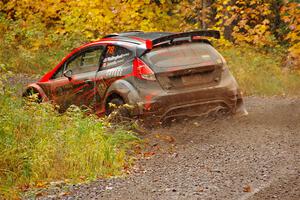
(33, 95)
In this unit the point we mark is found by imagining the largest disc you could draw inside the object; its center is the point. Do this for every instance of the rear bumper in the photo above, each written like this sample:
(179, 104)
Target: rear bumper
(225, 96)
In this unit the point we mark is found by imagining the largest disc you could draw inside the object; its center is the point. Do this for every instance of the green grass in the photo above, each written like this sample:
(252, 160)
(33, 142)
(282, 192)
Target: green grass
(38, 144)
(260, 72)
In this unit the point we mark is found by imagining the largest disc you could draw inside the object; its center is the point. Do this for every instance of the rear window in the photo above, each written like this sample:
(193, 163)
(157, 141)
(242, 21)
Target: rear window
(187, 54)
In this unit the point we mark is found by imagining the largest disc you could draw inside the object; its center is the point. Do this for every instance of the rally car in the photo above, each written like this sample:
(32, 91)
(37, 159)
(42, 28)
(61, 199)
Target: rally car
(160, 74)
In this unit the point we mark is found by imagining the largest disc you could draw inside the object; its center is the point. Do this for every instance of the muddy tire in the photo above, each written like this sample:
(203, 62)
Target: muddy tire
(116, 111)
(33, 95)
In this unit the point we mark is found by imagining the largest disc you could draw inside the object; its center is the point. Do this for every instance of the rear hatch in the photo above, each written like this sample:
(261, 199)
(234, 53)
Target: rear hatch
(185, 65)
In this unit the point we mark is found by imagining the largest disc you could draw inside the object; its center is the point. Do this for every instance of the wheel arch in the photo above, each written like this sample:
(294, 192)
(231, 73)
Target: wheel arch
(113, 95)
(124, 90)
(36, 88)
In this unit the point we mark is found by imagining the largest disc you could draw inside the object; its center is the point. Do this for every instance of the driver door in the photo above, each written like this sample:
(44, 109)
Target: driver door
(76, 85)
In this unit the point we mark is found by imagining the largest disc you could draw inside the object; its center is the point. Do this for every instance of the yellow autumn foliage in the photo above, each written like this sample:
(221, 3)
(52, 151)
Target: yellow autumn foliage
(41, 24)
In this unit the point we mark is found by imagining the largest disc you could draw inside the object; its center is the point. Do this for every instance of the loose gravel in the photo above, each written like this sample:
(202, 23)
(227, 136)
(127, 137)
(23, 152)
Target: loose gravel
(251, 157)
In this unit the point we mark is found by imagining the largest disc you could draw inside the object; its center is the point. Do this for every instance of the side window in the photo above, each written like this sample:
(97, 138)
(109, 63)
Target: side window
(58, 73)
(116, 56)
(86, 61)
(75, 65)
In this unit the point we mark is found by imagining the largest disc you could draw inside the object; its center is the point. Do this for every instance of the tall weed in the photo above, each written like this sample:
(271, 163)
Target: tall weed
(260, 72)
(39, 144)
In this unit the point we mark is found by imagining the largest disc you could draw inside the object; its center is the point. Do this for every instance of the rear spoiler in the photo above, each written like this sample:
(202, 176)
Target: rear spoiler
(202, 33)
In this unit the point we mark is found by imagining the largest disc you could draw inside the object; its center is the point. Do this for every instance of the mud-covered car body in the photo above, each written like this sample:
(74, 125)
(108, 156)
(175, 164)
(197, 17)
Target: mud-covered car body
(160, 74)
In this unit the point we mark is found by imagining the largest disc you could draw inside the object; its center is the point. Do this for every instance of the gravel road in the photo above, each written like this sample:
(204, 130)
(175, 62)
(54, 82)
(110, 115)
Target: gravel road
(253, 157)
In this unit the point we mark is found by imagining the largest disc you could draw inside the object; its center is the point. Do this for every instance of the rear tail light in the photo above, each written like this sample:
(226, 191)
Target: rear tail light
(142, 71)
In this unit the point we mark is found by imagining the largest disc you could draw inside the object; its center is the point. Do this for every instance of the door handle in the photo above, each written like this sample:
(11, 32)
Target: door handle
(88, 81)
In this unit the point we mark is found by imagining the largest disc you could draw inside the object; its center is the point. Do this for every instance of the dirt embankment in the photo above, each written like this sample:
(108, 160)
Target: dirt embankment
(253, 157)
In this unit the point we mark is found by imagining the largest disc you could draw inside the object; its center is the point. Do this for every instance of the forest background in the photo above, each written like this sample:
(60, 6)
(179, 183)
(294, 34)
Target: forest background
(34, 26)
(35, 34)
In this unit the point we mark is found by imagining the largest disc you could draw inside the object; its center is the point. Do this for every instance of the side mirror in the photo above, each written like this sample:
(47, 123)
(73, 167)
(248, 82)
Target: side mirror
(68, 73)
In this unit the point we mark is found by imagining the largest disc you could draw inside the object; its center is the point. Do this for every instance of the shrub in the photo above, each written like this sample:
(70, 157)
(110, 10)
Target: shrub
(259, 72)
(39, 144)
(32, 48)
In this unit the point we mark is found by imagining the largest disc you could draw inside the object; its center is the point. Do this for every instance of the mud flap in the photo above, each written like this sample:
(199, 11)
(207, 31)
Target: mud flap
(241, 111)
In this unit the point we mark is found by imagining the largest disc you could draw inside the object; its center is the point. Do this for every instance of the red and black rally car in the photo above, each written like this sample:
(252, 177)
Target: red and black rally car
(161, 74)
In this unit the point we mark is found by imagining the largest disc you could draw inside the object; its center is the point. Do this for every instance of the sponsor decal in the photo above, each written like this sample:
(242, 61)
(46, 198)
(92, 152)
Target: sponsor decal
(111, 50)
(115, 60)
(110, 73)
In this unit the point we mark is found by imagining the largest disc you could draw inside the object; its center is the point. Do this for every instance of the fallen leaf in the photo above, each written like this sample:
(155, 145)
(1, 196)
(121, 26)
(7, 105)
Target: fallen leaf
(169, 139)
(247, 188)
(148, 154)
(41, 184)
(108, 188)
(24, 187)
(200, 189)
(39, 194)
(166, 138)
(64, 194)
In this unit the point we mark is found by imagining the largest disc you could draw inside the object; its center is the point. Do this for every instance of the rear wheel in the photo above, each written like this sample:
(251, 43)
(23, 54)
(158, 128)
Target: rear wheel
(116, 110)
(113, 104)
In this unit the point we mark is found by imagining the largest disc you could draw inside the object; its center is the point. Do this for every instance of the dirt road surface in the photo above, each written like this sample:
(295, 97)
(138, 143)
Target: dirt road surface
(253, 157)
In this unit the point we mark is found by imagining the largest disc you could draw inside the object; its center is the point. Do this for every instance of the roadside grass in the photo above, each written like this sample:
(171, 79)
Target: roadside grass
(38, 145)
(261, 72)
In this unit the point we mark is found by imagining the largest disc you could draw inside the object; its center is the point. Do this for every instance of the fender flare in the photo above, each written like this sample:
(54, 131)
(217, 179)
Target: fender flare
(125, 90)
(38, 88)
